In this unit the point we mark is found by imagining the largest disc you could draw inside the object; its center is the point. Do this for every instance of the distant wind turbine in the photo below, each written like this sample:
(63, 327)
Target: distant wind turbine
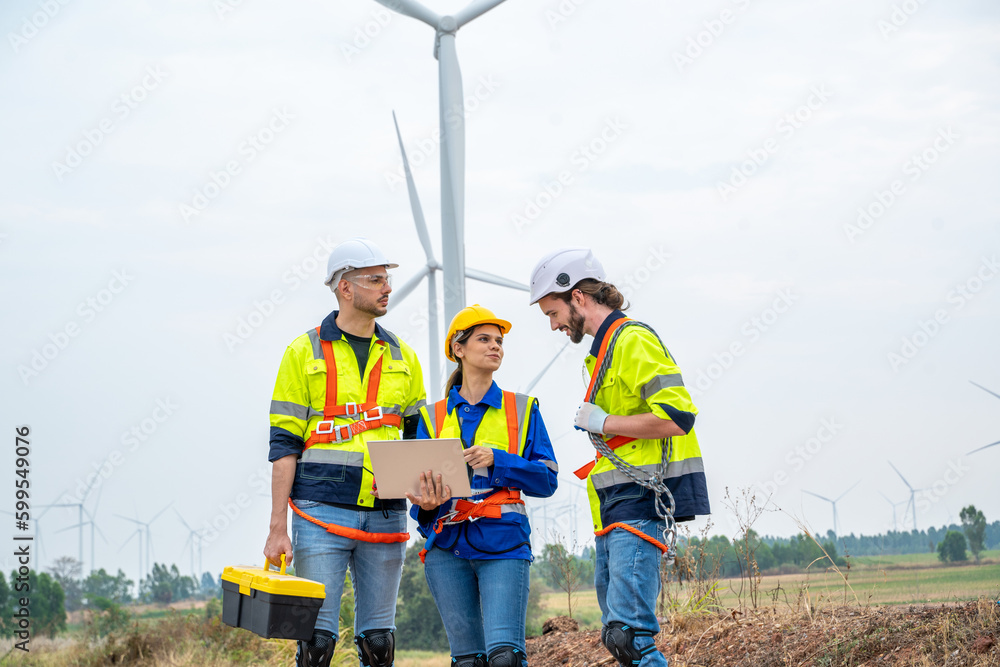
(895, 524)
(913, 496)
(836, 530)
(992, 444)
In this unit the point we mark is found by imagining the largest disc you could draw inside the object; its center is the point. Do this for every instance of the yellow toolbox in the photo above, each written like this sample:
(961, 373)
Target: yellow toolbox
(270, 603)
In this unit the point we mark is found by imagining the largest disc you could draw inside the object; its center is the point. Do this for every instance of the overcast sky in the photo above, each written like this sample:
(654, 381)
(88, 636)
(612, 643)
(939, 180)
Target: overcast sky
(800, 197)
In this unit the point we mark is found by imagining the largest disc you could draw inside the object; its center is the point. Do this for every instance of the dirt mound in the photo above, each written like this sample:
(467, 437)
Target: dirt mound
(560, 624)
(957, 635)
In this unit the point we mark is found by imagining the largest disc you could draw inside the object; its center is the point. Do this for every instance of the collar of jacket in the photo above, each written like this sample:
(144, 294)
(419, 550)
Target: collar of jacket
(492, 398)
(329, 330)
(595, 347)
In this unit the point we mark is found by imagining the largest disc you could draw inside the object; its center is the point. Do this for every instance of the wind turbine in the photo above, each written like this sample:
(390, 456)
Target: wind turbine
(93, 526)
(833, 502)
(195, 540)
(149, 536)
(138, 531)
(992, 443)
(895, 525)
(913, 494)
(451, 116)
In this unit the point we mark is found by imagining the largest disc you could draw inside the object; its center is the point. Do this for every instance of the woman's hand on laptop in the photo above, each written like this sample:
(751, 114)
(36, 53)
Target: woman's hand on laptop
(433, 493)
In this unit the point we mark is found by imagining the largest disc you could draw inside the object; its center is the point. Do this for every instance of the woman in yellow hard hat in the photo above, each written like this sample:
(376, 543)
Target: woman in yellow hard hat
(478, 551)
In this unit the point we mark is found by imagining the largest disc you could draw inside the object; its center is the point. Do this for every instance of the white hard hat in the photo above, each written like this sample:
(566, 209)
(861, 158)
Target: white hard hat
(356, 253)
(560, 270)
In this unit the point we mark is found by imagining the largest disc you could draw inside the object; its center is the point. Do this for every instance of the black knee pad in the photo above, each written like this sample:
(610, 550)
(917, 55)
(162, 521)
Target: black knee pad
(376, 648)
(505, 656)
(317, 652)
(619, 639)
(470, 660)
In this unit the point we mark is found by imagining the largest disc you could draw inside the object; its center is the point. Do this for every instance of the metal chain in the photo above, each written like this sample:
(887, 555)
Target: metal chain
(655, 481)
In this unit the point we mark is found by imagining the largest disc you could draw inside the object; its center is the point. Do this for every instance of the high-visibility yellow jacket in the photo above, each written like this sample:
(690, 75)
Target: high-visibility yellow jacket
(643, 377)
(339, 472)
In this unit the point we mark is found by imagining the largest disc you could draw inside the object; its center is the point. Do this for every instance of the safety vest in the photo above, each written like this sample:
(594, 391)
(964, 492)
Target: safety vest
(320, 398)
(639, 360)
(505, 429)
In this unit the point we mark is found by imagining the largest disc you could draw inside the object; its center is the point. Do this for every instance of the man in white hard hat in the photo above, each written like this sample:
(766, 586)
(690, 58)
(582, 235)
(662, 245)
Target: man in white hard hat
(340, 385)
(638, 405)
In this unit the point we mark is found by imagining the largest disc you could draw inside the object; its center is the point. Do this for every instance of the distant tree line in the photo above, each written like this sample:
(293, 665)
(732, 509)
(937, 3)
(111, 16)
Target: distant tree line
(900, 542)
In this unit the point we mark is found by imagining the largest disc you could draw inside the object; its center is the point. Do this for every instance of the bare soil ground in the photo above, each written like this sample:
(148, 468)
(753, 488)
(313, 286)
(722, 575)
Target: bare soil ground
(966, 634)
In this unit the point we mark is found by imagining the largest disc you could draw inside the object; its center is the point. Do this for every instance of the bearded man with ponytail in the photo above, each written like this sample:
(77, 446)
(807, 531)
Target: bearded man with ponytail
(478, 551)
(639, 412)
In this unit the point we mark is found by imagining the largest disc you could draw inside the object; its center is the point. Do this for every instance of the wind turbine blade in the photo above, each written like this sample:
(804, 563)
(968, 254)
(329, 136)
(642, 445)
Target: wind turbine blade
(986, 447)
(411, 189)
(182, 519)
(79, 525)
(817, 495)
(985, 389)
(474, 10)
(901, 476)
(849, 490)
(887, 499)
(129, 519)
(412, 9)
(397, 295)
(531, 385)
(100, 532)
(484, 277)
(125, 543)
(157, 515)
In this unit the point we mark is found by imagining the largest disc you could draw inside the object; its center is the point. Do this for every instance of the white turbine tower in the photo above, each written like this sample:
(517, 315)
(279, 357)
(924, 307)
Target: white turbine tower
(913, 496)
(451, 115)
(836, 530)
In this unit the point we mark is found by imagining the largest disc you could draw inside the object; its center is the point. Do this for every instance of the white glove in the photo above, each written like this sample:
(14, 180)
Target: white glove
(590, 418)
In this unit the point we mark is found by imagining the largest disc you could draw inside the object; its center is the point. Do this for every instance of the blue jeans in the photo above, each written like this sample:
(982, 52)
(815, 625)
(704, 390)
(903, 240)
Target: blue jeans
(627, 577)
(375, 568)
(483, 603)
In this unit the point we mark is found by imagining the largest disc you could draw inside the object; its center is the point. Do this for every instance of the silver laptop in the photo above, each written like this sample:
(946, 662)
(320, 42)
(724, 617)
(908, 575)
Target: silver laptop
(397, 465)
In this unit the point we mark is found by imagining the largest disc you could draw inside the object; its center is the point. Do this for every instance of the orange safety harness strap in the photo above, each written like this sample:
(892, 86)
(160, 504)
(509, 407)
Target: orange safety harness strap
(369, 413)
(618, 440)
(635, 531)
(352, 533)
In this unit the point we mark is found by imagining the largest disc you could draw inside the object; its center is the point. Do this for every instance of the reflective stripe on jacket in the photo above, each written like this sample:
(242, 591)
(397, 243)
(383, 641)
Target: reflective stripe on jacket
(532, 470)
(643, 377)
(329, 471)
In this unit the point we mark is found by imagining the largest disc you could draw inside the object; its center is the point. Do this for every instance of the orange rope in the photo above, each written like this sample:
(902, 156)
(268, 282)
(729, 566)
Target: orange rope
(352, 533)
(635, 531)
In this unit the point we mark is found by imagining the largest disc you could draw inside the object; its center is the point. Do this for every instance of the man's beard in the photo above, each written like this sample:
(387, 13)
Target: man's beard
(364, 304)
(575, 325)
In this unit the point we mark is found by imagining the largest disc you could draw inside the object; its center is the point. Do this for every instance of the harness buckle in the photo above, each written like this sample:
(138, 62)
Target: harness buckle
(367, 416)
(320, 429)
(351, 409)
(343, 433)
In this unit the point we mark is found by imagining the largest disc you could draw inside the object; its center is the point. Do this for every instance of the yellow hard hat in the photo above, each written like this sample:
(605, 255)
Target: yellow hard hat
(469, 317)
